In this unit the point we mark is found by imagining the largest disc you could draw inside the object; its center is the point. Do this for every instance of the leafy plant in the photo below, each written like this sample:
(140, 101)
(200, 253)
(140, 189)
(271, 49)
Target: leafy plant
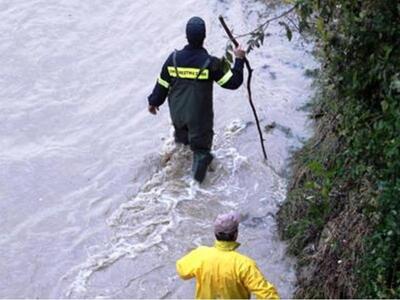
(257, 36)
(360, 53)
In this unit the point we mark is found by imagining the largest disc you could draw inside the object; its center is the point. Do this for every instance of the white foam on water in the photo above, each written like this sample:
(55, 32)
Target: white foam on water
(91, 207)
(140, 223)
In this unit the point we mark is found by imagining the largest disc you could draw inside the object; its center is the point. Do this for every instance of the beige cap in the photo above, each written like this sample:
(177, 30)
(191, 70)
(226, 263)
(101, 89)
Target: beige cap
(227, 223)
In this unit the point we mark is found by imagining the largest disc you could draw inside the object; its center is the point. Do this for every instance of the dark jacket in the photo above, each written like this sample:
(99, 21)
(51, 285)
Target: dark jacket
(190, 59)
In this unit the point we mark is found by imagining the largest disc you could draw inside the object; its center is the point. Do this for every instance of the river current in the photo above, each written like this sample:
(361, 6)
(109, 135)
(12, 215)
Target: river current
(96, 201)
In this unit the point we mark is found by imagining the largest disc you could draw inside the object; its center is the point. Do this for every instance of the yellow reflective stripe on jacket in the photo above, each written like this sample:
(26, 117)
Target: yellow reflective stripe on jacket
(225, 78)
(188, 73)
(163, 82)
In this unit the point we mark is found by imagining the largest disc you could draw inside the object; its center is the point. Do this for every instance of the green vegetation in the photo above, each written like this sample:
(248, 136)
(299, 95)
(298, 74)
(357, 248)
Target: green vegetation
(342, 216)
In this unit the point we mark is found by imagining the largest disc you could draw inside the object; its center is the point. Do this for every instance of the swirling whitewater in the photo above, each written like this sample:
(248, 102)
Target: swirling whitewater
(96, 201)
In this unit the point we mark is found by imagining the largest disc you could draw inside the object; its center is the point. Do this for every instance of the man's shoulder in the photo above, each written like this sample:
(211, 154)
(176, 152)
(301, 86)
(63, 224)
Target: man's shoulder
(204, 248)
(169, 57)
(215, 63)
(201, 249)
(244, 258)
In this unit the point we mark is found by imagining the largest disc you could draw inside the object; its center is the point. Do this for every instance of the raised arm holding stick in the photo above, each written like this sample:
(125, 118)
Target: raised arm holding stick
(250, 70)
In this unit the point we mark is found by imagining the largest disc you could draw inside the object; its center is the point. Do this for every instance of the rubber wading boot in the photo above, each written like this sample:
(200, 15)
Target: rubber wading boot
(201, 161)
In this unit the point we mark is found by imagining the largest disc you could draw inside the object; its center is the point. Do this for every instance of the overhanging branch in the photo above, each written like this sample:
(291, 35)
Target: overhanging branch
(250, 71)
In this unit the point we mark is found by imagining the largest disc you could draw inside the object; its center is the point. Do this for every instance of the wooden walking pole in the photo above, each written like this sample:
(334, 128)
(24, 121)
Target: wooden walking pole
(250, 70)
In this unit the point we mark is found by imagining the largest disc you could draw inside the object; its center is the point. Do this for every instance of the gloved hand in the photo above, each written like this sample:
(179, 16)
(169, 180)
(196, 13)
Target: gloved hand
(153, 109)
(239, 52)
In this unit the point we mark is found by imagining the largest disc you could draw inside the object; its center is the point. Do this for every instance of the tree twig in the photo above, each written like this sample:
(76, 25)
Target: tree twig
(250, 70)
(261, 27)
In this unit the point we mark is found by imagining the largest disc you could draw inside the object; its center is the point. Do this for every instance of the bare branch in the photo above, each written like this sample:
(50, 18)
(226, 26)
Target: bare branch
(266, 23)
(250, 70)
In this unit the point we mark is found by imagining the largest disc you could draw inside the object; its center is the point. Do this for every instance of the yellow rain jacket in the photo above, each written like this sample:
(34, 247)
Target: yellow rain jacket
(223, 273)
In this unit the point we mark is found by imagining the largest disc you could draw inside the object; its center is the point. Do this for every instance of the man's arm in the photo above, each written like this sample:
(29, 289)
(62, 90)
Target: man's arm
(257, 284)
(186, 266)
(160, 91)
(233, 78)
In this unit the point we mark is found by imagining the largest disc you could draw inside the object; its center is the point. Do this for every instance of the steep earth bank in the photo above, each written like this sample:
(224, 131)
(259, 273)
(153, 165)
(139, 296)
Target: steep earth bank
(341, 217)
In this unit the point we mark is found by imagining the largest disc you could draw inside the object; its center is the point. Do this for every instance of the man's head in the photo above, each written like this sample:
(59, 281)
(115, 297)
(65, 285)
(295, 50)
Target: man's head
(196, 31)
(226, 226)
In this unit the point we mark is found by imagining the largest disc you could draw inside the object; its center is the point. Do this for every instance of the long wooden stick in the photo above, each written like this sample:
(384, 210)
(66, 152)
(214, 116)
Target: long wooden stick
(250, 70)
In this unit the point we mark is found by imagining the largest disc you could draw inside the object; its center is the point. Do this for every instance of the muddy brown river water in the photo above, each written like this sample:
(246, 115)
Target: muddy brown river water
(96, 201)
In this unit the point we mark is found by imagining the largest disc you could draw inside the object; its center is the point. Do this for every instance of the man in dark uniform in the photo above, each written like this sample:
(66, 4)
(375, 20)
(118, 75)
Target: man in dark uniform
(187, 79)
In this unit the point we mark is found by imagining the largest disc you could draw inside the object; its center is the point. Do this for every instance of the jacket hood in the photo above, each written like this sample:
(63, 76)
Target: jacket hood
(196, 31)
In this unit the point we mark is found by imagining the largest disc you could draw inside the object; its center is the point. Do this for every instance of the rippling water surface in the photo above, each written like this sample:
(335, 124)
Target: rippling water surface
(95, 198)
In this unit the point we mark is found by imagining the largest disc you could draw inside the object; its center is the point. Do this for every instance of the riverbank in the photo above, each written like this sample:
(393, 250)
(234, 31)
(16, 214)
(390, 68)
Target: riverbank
(341, 214)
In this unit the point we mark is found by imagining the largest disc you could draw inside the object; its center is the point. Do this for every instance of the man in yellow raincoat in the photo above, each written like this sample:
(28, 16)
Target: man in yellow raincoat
(220, 271)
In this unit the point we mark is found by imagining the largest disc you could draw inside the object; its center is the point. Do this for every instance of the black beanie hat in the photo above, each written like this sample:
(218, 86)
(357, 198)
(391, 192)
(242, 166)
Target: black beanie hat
(196, 31)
